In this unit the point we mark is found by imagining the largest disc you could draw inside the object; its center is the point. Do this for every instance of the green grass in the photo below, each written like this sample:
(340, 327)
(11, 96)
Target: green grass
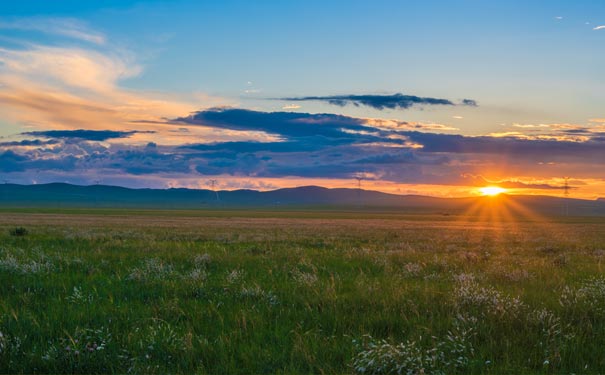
(113, 291)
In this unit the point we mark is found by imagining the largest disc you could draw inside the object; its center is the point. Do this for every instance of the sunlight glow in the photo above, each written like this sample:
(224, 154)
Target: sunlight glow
(491, 190)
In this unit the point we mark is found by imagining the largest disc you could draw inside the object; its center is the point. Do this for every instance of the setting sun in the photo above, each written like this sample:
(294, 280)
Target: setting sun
(491, 190)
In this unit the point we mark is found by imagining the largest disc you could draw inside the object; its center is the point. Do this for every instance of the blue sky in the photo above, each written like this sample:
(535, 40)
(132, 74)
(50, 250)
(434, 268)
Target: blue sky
(533, 68)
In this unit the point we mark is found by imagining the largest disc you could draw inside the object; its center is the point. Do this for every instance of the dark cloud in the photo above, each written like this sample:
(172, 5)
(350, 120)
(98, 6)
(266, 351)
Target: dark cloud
(13, 162)
(403, 157)
(147, 160)
(252, 146)
(90, 135)
(288, 124)
(508, 146)
(243, 165)
(300, 131)
(380, 102)
(28, 142)
(313, 146)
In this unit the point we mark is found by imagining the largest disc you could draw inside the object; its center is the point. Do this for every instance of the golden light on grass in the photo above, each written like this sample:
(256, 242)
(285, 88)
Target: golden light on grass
(491, 190)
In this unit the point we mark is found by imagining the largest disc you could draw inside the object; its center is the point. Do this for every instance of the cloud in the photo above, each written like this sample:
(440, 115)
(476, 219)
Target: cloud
(403, 157)
(531, 126)
(307, 129)
(69, 67)
(509, 146)
(308, 146)
(66, 27)
(13, 162)
(87, 126)
(381, 102)
(67, 86)
(478, 180)
(91, 135)
(324, 145)
(601, 27)
(28, 143)
(303, 130)
(557, 132)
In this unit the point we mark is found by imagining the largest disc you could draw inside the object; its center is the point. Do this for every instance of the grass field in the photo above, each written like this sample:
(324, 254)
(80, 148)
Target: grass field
(299, 292)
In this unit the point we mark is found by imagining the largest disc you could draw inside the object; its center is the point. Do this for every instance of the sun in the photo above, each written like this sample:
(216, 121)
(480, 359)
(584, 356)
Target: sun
(491, 190)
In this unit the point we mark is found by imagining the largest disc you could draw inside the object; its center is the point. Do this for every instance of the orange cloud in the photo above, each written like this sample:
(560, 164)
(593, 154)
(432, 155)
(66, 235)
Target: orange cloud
(74, 88)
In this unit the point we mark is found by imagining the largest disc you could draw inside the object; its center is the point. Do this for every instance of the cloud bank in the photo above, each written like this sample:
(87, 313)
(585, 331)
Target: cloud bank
(307, 146)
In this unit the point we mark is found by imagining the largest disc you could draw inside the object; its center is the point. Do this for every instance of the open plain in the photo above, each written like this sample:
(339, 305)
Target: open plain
(115, 291)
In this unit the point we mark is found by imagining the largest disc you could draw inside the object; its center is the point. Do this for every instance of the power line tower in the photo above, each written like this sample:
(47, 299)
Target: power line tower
(213, 186)
(359, 178)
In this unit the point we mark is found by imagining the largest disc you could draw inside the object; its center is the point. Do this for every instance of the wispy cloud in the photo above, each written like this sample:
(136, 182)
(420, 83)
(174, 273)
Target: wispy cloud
(601, 27)
(66, 27)
(478, 180)
(68, 67)
(381, 102)
(62, 86)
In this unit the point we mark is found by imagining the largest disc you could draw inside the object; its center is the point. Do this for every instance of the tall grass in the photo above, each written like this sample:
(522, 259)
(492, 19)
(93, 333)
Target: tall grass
(260, 295)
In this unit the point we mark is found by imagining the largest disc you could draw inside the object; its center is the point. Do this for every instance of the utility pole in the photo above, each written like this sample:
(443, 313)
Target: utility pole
(359, 178)
(213, 185)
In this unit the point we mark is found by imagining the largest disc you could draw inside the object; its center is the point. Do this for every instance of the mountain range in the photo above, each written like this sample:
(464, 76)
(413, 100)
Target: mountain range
(76, 196)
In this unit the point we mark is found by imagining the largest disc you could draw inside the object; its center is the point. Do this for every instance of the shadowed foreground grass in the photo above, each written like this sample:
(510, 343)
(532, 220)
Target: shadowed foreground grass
(176, 294)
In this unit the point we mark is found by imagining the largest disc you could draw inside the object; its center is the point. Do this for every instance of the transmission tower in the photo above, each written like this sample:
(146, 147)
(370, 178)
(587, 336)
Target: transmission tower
(359, 178)
(213, 185)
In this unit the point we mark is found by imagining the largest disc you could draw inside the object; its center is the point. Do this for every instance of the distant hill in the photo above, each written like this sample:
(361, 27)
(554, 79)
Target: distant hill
(67, 195)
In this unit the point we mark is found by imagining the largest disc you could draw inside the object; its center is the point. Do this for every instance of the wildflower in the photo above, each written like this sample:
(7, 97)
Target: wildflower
(413, 269)
(202, 260)
(234, 276)
(304, 278)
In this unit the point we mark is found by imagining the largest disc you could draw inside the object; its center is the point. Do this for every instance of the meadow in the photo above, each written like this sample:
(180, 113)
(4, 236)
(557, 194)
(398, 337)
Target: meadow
(201, 292)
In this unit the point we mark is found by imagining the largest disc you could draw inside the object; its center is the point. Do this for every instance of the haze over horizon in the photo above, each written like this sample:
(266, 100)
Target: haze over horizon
(436, 98)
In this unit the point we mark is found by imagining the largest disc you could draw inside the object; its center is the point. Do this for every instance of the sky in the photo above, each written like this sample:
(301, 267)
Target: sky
(413, 97)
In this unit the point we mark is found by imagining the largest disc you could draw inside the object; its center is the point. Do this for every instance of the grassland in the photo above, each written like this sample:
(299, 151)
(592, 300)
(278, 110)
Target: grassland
(299, 292)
